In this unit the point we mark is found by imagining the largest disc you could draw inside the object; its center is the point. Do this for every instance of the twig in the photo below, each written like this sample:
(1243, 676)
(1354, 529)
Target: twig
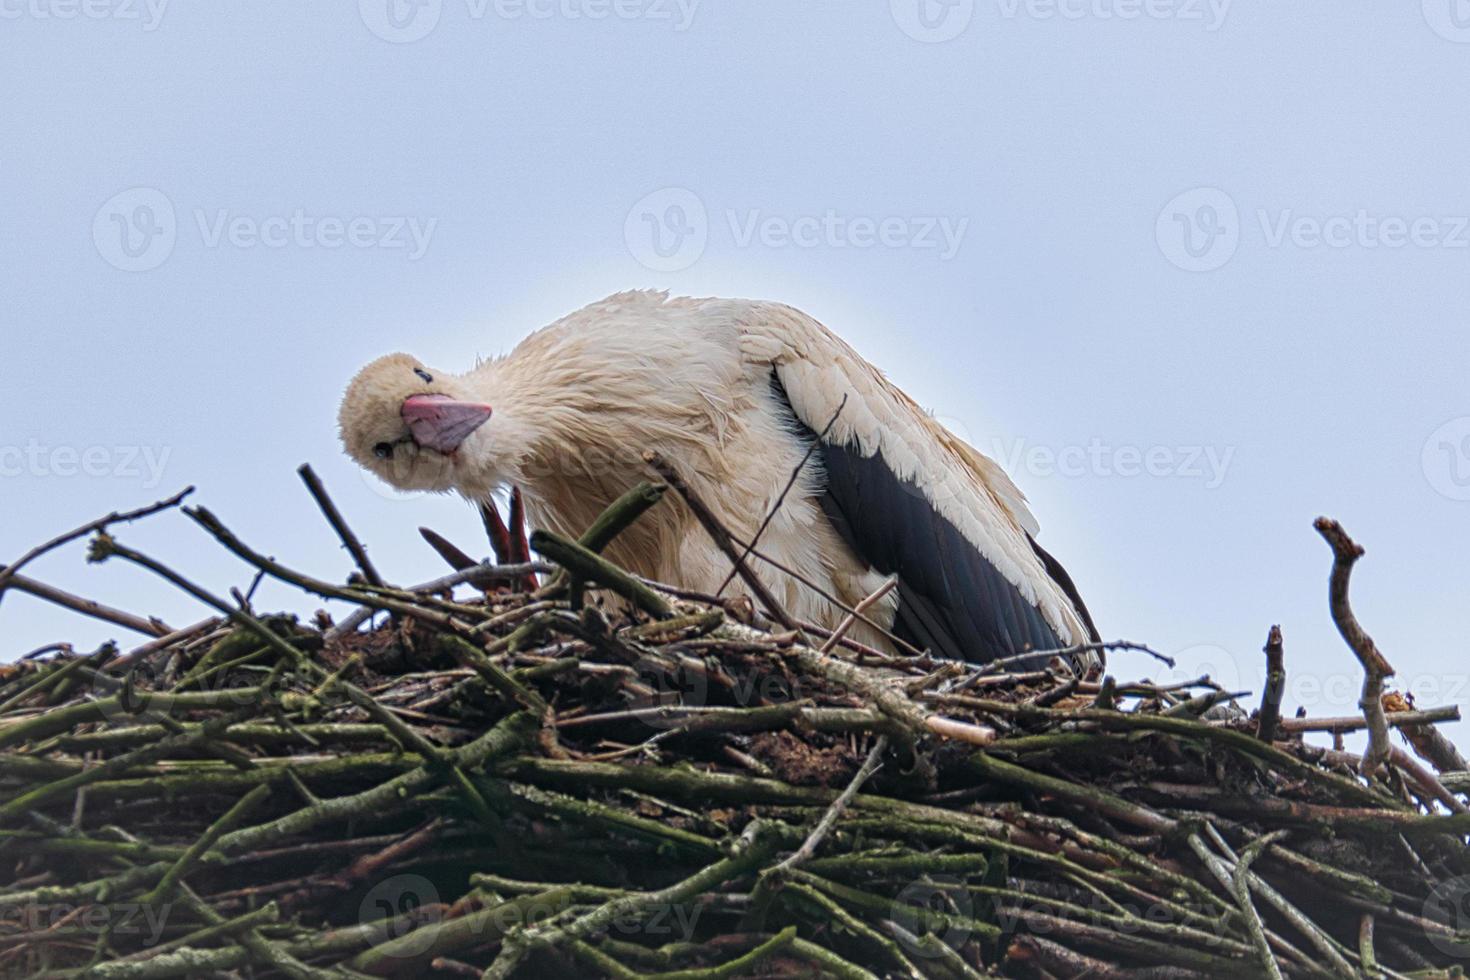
(10, 571)
(1346, 552)
(721, 537)
(996, 665)
(590, 566)
(334, 517)
(781, 497)
(1352, 723)
(832, 641)
(808, 847)
(152, 626)
(1270, 714)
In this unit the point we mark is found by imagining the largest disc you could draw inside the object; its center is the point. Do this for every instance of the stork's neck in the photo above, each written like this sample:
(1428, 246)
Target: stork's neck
(571, 449)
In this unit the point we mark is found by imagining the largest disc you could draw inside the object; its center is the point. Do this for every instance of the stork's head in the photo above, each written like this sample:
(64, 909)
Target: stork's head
(413, 426)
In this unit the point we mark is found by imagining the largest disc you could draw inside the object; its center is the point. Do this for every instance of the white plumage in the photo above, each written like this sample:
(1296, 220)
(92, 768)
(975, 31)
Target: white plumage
(732, 392)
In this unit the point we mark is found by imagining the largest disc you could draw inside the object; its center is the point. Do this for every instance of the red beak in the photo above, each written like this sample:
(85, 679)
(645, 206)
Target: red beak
(442, 423)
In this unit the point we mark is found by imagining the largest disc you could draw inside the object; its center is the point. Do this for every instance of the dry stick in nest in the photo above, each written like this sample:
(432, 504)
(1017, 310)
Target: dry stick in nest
(857, 611)
(1270, 716)
(781, 497)
(773, 878)
(1352, 723)
(721, 537)
(102, 523)
(152, 626)
(1345, 552)
(870, 765)
(104, 546)
(589, 566)
(334, 517)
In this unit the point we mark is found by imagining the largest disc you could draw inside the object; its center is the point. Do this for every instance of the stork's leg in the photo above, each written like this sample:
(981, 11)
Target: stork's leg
(499, 534)
(519, 543)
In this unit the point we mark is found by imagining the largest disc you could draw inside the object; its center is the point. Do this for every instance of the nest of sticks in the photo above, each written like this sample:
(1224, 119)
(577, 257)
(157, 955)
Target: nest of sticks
(556, 769)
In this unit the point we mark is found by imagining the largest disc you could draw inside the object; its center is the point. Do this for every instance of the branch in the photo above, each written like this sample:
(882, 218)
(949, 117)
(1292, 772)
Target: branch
(1346, 552)
(9, 572)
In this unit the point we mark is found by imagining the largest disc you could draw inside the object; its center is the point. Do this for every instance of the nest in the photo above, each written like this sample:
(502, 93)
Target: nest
(587, 774)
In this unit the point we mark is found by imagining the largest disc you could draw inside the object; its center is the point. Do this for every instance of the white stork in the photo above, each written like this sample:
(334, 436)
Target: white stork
(733, 393)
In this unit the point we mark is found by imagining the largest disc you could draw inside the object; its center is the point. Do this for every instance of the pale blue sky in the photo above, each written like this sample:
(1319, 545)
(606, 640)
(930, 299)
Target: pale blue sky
(989, 199)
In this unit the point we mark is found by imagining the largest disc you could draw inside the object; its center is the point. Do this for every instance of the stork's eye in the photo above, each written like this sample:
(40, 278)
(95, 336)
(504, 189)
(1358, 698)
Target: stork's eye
(428, 378)
(383, 450)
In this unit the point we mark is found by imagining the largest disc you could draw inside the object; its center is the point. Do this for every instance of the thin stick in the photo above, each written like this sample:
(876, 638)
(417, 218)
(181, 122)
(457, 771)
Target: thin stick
(721, 537)
(9, 572)
(89, 607)
(1352, 723)
(858, 610)
(781, 498)
(808, 847)
(339, 524)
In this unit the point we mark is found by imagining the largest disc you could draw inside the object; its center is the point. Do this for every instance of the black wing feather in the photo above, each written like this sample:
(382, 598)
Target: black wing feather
(951, 599)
